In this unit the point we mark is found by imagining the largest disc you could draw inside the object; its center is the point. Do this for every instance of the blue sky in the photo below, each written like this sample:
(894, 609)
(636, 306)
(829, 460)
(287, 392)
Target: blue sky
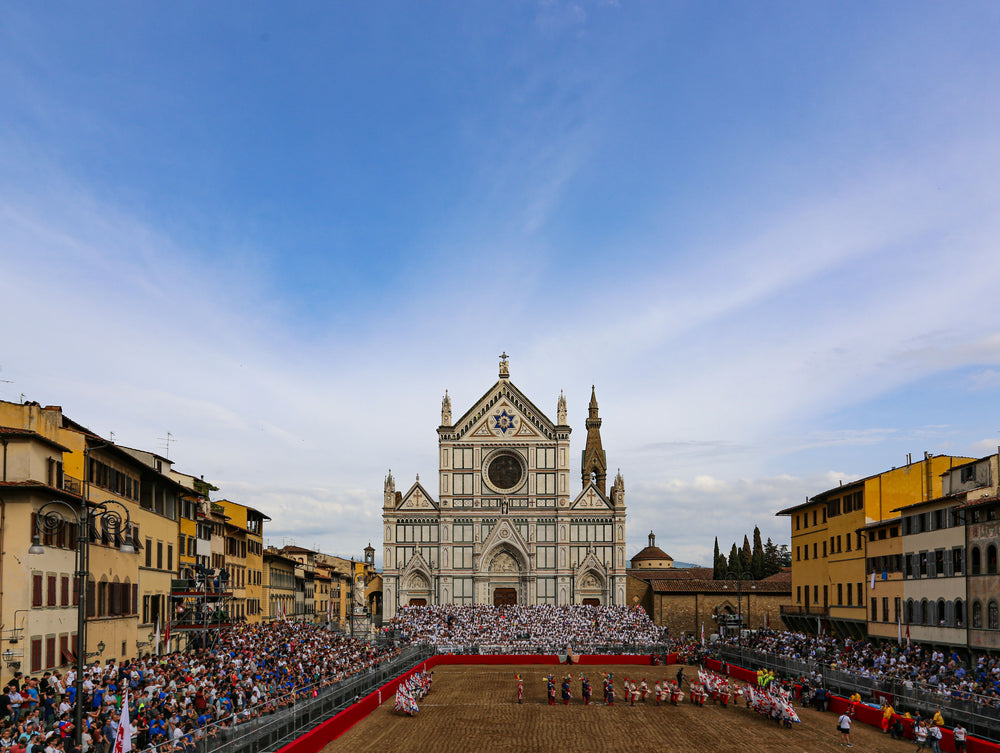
(768, 233)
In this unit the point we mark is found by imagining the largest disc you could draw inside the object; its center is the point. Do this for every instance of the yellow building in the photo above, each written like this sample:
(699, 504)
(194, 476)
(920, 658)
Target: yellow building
(322, 603)
(244, 561)
(341, 573)
(190, 551)
(828, 555)
(38, 601)
(884, 560)
(127, 591)
(279, 584)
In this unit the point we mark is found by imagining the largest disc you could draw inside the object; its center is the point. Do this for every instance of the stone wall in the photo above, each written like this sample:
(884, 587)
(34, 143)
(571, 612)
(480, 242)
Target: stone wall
(685, 613)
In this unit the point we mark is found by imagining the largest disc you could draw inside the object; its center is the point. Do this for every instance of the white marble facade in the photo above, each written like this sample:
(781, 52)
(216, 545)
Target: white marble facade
(505, 526)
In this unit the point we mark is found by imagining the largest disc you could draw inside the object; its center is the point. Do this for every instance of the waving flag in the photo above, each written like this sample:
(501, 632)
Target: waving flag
(123, 738)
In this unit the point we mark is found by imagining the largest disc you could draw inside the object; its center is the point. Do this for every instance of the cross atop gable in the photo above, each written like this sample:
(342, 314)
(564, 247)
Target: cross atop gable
(591, 499)
(417, 498)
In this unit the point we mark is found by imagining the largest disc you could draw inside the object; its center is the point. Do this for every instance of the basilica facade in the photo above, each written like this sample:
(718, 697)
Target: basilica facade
(506, 526)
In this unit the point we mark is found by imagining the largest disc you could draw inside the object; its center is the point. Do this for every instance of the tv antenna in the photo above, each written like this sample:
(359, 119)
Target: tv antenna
(166, 442)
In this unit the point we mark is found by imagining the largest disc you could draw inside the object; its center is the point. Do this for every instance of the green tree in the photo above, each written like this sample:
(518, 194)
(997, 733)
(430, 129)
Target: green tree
(784, 556)
(772, 562)
(734, 559)
(715, 560)
(757, 559)
(746, 556)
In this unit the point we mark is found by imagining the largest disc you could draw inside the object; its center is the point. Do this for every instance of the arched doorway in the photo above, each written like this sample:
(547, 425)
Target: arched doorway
(504, 597)
(504, 577)
(417, 589)
(591, 602)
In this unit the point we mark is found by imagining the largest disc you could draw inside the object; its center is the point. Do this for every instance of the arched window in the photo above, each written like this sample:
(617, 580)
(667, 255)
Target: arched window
(909, 611)
(993, 616)
(977, 614)
(977, 561)
(991, 559)
(925, 613)
(959, 613)
(942, 614)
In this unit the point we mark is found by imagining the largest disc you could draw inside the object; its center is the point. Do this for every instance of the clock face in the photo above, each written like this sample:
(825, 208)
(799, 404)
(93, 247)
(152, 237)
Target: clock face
(505, 472)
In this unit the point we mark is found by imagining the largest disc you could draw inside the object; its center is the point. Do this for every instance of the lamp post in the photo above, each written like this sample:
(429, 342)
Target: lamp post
(51, 518)
(739, 577)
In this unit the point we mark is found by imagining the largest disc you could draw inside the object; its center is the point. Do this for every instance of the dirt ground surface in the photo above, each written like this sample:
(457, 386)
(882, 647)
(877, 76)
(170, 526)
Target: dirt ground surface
(474, 708)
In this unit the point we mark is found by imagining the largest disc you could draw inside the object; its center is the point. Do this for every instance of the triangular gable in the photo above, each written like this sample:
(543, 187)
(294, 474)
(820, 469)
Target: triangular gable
(592, 564)
(504, 534)
(417, 498)
(591, 499)
(504, 412)
(417, 564)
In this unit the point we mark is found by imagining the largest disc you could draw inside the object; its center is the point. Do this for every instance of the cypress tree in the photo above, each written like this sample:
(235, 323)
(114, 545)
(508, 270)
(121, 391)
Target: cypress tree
(746, 556)
(715, 560)
(757, 560)
(734, 559)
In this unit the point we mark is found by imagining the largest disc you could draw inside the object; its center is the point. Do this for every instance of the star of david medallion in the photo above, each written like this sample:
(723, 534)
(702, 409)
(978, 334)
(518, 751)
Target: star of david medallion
(504, 421)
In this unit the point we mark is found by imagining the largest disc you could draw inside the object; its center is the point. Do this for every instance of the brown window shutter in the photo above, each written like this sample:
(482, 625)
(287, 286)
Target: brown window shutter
(36, 590)
(36, 654)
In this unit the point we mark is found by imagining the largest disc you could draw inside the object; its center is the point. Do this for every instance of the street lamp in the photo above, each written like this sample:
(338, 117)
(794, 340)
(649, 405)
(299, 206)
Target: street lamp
(739, 577)
(51, 518)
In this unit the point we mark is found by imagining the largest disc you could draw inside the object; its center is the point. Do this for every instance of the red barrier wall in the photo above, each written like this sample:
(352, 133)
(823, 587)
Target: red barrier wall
(746, 675)
(335, 726)
(645, 659)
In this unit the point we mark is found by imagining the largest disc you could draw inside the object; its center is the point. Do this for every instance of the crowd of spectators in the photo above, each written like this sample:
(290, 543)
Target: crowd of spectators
(546, 627)
(948, 674)
(179, 698)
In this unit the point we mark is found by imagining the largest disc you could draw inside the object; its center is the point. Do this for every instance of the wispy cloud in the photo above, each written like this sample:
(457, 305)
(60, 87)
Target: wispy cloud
(731, 316)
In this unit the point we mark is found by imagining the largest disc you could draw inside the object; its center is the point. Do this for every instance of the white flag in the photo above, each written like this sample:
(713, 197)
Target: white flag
(157, 640)
(873, 580)
(703, 634)
(123, 738)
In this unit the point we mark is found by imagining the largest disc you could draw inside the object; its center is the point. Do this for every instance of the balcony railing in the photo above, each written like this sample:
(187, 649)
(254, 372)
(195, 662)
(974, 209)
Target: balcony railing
(72, 485)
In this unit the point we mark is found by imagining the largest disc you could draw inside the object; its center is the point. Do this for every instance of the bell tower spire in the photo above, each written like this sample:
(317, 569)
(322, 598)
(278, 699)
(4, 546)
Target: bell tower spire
(446, 410)
(595, 463)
